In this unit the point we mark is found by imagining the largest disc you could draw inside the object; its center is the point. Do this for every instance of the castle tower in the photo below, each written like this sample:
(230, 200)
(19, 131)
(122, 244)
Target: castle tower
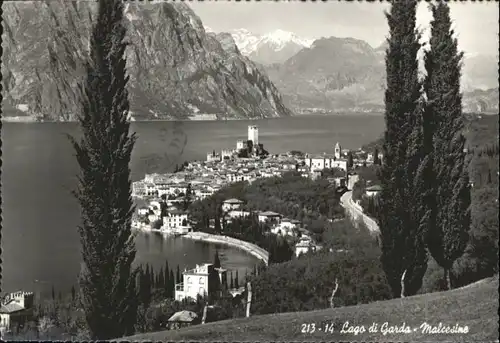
(338, 151)
(253, 134)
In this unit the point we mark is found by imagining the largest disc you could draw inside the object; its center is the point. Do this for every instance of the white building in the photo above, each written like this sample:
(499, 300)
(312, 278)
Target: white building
(195, 281)
(325, 162)
(270, 216)
(338, 151)
(241, 144)
(143, 211)
(238, 214)
(174, 219)
(289, 224)
(253, 134)
(231, 204)
(226, 154)
(304, 246)
(373, 190)
(138, 189)
(16, 308)
(213, 157)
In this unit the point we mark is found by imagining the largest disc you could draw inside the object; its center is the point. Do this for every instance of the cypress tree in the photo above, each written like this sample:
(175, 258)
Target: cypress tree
(401, 242)
(350, 160)
(236, 281)
(152, 277)
(145, 287)
(147, 276)
(217, 260)
(172, 284)
(107, 281)
(73, 293)
(53, 293)
(376, 160)
(448, 236)
(231, 285)
(161, 279)
(178, 276)
(166, 281)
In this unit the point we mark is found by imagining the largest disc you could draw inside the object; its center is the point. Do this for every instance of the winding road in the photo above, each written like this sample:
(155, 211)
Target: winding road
(356, 212)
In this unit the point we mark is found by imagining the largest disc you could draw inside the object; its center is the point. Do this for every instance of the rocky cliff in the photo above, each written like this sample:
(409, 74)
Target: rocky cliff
(176, 69)
(335, 74)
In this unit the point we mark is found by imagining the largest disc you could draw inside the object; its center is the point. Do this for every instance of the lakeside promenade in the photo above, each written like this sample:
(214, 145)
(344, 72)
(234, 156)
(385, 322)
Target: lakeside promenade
(248, 247)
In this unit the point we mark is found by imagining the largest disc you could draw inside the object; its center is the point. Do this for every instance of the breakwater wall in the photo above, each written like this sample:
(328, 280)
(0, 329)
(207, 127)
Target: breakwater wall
(248, 247)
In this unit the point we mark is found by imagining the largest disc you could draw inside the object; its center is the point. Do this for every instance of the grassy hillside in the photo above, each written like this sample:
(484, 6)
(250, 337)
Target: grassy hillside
(474, 306)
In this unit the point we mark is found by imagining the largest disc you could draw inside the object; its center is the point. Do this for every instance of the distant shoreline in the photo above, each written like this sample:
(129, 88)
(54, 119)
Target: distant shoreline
(32, 120)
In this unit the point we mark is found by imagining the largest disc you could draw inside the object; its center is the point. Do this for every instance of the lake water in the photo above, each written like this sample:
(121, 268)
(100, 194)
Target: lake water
(40, 217)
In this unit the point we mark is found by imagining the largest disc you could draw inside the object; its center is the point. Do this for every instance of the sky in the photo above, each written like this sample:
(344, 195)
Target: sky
(476, 23)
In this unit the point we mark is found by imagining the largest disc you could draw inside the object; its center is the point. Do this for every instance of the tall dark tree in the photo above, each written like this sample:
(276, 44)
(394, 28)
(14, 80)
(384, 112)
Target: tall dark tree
(178, 275)
(144, 287)
(231, 285)
(53, 293)
(236, 281)
(401, 243)
(217, 260)
(73, 293)
(187, 197)
(152, 280)
(104, 191)
(447, 238)
(376, 160)
(166, 280)
(350, 160)
(172, 283)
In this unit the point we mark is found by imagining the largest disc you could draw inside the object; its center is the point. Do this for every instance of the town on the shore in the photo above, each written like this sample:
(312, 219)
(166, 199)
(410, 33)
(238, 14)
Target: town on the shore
(161, 207)
(161, 198)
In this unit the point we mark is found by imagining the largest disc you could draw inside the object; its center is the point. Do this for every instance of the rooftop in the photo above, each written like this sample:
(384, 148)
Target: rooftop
(183, 316)
(269, 214)
(233, 201)
(11, 307)
(374, 188)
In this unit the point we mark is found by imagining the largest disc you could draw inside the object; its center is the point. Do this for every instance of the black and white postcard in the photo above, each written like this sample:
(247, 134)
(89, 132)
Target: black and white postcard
(257, 171)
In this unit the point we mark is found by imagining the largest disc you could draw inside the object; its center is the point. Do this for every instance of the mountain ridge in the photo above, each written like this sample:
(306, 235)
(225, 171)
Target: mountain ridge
(176, 69)
(273, 47)
(338, 75)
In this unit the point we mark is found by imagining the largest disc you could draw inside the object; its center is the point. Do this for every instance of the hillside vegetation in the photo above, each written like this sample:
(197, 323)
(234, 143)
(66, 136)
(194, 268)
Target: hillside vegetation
(474, 306)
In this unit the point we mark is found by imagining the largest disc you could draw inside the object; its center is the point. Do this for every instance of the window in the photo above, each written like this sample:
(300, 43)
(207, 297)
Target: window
(202, 281)
(202, 290)
(189, 281)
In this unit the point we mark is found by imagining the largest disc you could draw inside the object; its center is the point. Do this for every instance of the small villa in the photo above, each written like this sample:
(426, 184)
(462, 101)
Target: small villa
(182, 319)
(175, 219)
(231, 204)
(304, 246)
(196, 281)
(373, 190)
(269, 216)
(16, 309)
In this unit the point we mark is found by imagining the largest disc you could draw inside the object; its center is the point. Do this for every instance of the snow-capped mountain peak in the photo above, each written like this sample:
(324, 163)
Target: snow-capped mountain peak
(245, 40)
(208, 29)
(281, 38)
(277, 40)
